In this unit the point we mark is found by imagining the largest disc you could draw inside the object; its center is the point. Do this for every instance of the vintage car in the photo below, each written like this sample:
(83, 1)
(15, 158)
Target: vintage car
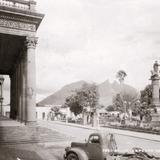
(102, 147)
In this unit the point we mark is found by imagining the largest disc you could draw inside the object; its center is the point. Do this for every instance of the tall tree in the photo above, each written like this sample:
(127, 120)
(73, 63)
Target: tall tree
(124, 101)
(73, 102)
(56, 110)
(85, 97)
(121, 74)
(146, 95)
(118, 103)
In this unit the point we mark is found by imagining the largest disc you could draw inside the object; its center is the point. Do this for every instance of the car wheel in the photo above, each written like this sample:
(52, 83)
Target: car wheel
(72, 156)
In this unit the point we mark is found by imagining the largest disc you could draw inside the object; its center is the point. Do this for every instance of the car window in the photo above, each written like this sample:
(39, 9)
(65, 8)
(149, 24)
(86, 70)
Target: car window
(94, 139)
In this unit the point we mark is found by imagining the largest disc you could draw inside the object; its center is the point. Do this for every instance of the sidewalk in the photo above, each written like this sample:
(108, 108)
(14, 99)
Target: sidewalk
(25, 152)
(19, 142)
(6, 122)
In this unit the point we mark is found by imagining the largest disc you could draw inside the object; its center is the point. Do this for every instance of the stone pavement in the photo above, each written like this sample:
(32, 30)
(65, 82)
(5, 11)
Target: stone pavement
(19, 142)
(16, 152)
(34, 151)
(4, 121)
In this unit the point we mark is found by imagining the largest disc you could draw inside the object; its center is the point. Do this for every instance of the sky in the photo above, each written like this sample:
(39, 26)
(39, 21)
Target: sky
(92, 39)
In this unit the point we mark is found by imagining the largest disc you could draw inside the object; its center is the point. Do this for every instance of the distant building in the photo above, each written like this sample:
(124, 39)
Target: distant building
(41, 111)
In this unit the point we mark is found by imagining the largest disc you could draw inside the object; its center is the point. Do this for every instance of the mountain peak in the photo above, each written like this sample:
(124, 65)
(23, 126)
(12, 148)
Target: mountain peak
(75, 84)
(58, 98)
(107, 82)
(106, 91)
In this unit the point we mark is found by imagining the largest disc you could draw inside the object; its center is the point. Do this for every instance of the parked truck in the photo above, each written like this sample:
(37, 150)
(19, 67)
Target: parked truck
(103, 147)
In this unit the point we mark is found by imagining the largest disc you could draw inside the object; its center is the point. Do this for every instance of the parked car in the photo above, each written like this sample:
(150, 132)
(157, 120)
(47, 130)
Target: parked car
(102, 147)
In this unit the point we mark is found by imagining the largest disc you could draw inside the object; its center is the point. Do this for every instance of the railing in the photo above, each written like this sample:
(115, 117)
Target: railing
(19, 4)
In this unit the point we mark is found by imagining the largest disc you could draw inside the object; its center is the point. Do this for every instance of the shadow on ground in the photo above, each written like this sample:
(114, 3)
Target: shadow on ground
(11, 153)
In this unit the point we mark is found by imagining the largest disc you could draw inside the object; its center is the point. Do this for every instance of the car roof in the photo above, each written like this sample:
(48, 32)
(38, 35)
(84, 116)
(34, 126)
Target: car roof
(101, 134)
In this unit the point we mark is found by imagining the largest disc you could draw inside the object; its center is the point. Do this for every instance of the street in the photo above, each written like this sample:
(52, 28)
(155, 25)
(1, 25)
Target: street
(126, 140)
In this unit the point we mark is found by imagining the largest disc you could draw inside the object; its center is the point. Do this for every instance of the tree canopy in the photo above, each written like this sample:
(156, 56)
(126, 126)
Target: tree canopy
(56, 110)
(110, 108)
(73, 103)
(121, 74)
(146, 95)
(85, 97)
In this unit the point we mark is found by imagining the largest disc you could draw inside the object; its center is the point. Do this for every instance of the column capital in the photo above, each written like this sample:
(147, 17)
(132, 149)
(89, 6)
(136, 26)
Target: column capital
(31, 42)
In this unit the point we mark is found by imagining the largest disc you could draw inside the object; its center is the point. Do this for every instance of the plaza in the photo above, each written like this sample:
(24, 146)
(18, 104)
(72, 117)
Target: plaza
(26, 130)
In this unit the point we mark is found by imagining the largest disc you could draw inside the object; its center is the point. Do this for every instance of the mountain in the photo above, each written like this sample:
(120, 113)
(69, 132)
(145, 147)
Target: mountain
(59, 97)
(106, 91)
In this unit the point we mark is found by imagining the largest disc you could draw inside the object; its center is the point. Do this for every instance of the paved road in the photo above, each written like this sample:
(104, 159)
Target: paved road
(126, 140)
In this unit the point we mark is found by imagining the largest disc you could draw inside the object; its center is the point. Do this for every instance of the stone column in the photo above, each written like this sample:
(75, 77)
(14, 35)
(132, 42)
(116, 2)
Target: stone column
(1, 94)
(16, 97)
(1, 99)
(12, 96)
(155, 96)
(155, 102)
(24, 104)
(21, 91)
(18, 92)
(95, 122)
(155, 91)
(30, 81)
(84, 118)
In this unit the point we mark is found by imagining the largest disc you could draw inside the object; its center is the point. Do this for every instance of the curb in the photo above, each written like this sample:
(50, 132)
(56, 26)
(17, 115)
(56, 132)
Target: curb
(154, 137)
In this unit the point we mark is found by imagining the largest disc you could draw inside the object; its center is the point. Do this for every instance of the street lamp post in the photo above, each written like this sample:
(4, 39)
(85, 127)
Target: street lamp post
(1, 94)
(125, 111)
(125, 107)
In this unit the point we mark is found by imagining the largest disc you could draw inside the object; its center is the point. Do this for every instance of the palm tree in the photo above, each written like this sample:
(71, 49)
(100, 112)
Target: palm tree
(121, 74)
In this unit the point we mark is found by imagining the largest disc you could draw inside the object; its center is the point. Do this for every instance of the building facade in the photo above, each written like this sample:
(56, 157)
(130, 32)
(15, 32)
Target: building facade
(19, 22)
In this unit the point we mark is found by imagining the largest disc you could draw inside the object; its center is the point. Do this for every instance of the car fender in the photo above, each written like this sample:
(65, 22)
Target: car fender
(79, 152)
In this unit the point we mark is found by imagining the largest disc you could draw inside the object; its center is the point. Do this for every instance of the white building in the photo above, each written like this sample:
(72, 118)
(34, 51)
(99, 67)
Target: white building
(41, 111)
(6, 110)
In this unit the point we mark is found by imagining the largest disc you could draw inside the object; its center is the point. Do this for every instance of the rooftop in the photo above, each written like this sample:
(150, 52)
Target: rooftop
(19, 4)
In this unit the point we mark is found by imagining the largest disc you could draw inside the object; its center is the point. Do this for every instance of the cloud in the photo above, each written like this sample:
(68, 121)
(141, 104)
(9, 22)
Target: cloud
(93, 39)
